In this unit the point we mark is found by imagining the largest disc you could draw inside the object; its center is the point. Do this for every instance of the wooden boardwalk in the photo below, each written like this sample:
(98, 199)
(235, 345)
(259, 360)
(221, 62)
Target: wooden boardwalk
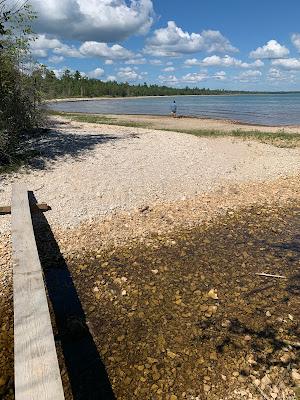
(37, 375)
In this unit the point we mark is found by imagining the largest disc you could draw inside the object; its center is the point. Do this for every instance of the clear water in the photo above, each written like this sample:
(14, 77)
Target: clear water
(267, 109)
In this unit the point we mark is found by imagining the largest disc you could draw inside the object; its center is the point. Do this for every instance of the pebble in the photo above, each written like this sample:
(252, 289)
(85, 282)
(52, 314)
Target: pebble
(213, 294)
(206, 388)
(295, 377)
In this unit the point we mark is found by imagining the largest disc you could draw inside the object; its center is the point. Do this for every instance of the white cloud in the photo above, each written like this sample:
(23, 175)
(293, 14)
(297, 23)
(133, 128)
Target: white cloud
(168, 79)
(101, 20)
(226, 61)
(111, 78)
(248, 76)
(40, 46)
(296, 40)
(109, 62)
(173, 41)
(287, 63)
(129, 74)
(169, 69)
(56, 59)
(96, 73)
(271, 50)
(221, 76)
(275, 75)
(43, 44)
(97, 49)
(194, 77)
(155, 62)
(67, 51)
(136, 61)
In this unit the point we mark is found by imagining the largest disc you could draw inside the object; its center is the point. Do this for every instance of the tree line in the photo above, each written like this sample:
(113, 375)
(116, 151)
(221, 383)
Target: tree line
(77, 85)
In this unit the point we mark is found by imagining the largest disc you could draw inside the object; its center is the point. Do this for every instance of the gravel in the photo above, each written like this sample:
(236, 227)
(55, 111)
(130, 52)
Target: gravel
(93, 171)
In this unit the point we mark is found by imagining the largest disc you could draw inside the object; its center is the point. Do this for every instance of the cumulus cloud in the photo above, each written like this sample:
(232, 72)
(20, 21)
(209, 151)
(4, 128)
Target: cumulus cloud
(96, 73)
(43, 44)
(173, 41)
(226, 61)
(109, 62)
(128, 74)
(221, 76)
(169, 69)
(136, 61)
(155, 62)
(194, 77)
(275, 75)
(111, 78)
(247, 76)
(56, 59)
(296, 40)
(271, 50)
(101, 20)
(40, 46)
(287, 63)
(170, 79)
(97, 49)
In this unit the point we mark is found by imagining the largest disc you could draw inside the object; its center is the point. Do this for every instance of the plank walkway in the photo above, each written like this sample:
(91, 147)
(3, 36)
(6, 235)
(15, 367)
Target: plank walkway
(37, 375)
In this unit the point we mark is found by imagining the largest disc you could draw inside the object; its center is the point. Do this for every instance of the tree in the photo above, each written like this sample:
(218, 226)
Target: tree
(20, 97)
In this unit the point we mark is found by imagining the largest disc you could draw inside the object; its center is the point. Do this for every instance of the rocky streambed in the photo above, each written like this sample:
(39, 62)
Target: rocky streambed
(177, 316)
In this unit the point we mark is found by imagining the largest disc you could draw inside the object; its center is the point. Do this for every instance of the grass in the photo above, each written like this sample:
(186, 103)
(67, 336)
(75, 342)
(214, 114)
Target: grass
(279, 138)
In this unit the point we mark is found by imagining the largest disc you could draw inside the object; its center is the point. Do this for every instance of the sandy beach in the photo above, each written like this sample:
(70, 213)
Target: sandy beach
(119, 194)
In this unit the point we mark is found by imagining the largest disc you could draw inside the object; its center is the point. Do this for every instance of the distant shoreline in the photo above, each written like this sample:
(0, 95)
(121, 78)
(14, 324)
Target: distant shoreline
(76, 99)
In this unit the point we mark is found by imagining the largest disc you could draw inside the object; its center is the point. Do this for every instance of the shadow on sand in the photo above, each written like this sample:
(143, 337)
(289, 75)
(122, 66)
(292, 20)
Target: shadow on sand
(86, 372)
(46, 145)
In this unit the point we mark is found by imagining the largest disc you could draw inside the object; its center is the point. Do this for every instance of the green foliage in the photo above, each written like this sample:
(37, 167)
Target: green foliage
(76, 85)
(20, 94)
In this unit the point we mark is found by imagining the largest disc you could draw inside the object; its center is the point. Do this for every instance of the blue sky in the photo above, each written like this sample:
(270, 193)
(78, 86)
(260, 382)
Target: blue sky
(232, 44)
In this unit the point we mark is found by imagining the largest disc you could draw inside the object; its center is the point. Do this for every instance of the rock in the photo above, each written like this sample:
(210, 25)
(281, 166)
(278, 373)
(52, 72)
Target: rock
(226, 323)
(127, 380)
(206, 388)
(213, 294)
(95, 289)
(265, 381)
(291, 317)
(154, 271)
(173, 397)
(268, 314)
(224, 377)
(123, 293)
(247, 338)
(286, 358)
(295, 377)
(171, 354)
(155, 376)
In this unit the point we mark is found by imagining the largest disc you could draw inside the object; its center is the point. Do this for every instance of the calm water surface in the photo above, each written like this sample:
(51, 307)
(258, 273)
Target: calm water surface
(268, 109)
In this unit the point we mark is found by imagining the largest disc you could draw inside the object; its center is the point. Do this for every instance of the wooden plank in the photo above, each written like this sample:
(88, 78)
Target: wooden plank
(35, 207)
(37, 375)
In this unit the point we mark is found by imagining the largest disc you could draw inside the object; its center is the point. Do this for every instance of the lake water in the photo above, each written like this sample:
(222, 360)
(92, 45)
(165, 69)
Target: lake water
(267, 109)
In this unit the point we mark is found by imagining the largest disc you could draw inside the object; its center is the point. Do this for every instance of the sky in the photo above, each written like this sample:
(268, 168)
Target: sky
(224, 44)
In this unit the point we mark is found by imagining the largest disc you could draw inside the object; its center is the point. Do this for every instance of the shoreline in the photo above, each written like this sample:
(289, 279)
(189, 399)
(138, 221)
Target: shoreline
(185, 124)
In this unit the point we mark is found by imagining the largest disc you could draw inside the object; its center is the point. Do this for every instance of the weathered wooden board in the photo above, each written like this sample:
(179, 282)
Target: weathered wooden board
(36, 207)
(37, 375)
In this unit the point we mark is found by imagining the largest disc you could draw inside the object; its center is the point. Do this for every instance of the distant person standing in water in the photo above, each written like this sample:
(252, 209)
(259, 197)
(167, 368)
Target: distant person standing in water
(174, 109)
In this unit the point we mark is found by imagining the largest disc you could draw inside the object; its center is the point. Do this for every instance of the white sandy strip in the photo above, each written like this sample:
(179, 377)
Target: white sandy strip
(143, 167)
